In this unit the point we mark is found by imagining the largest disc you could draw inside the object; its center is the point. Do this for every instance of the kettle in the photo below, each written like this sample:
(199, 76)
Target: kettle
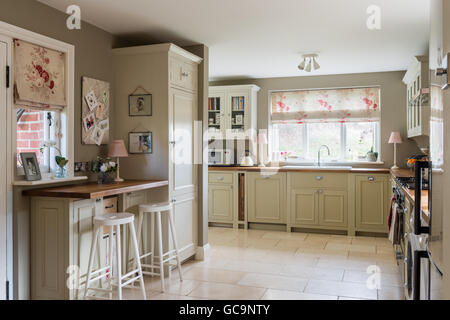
(247, 161)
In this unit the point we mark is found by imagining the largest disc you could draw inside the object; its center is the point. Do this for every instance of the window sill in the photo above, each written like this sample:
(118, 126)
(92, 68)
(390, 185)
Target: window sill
(342, 163)
(48, 181)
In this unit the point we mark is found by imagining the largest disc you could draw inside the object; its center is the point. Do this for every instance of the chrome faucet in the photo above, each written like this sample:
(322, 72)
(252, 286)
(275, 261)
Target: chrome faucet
(318, 153)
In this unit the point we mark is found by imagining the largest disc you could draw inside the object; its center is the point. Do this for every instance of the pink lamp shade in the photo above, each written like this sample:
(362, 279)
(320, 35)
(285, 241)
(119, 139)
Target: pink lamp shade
(395, 137)
(117, 149)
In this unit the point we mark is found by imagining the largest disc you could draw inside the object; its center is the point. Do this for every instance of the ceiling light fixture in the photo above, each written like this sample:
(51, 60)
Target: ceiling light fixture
(309, 61)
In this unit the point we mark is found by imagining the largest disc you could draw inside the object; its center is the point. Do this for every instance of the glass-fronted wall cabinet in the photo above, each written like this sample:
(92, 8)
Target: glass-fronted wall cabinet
(232, 111)
(418, 97)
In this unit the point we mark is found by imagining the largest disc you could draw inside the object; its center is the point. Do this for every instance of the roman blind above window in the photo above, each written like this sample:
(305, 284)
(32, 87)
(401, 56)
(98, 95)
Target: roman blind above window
(330, 105)
(39, 78)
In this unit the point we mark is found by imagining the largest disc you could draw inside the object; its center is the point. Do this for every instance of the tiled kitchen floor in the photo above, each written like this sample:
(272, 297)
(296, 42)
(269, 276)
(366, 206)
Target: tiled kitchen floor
(256, 264)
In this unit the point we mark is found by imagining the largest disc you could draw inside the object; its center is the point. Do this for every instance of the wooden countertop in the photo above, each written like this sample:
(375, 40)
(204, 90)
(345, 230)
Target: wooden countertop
(315, 169)
(405, 173)
(93, 190)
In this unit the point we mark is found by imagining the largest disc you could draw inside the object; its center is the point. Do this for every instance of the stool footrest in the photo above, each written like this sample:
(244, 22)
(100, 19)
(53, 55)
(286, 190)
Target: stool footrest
(101, 289)
(130, 281)
(96, 298)
(129, 274)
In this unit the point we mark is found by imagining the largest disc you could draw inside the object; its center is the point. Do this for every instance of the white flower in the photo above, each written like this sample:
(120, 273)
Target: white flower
(103, 168)
(112, 164)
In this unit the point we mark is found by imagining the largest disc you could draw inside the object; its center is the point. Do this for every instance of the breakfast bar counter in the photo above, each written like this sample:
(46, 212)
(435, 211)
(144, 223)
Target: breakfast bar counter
(94, 190)
(61, 230)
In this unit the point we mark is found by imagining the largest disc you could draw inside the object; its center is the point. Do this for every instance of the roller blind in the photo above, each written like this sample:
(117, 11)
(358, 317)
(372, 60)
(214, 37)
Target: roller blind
(39, 81)
(330, 105)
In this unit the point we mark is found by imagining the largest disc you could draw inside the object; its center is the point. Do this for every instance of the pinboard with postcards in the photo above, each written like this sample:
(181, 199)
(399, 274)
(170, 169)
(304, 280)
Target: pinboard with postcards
(95, 111)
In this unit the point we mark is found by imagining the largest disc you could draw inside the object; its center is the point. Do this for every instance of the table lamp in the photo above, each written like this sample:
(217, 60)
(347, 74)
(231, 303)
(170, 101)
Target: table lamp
(262, 140)
(117, 149)
(395, 138)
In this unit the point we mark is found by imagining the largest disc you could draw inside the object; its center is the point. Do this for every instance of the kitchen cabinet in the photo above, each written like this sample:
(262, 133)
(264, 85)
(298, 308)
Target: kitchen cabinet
(227, 198)
(372, 202)
(303, 206)
(317, 200)
(170, 73)
(232, 112)
(61, 233)
(220, 203)
(266, 197)
(333, 208)
(418, 97)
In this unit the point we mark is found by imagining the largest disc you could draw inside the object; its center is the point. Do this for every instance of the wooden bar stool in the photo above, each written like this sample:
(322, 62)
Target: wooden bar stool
(155, 209)
(113, 220)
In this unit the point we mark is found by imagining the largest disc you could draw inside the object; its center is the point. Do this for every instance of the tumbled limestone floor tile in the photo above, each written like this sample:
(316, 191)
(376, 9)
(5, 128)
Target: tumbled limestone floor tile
(223, 291)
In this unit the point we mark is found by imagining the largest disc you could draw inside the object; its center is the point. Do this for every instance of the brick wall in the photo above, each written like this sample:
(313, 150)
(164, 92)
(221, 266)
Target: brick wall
(30, 133)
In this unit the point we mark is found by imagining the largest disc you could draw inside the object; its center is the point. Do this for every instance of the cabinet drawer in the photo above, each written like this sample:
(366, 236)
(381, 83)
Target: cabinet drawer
(225, 178)
(110, 205)
(318, 180)
(183, 74)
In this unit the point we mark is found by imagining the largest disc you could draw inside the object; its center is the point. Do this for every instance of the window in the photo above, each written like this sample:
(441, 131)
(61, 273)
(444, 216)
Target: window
(345, 120)
(34, 128)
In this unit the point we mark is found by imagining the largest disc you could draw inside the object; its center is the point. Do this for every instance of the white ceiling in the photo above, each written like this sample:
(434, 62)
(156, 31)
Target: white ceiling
(265, 38)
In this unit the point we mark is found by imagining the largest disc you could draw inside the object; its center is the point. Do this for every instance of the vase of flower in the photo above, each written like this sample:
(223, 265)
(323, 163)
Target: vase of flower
(61, 162)
(105, 169)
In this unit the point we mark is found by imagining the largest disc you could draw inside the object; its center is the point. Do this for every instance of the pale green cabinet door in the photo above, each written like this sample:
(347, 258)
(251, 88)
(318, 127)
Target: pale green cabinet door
(372, 203)
(333, 208)
(266, 198)
(220, 203)
(304, 207)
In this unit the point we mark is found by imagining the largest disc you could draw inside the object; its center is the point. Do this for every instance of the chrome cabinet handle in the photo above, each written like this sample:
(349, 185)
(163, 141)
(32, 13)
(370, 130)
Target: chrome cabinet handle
(319, 177)
(220, 178)
(266, 177)
(371, 178)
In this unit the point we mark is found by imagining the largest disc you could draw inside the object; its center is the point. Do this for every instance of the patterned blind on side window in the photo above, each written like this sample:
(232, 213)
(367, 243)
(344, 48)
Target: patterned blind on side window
(329, 105)
(39, 80)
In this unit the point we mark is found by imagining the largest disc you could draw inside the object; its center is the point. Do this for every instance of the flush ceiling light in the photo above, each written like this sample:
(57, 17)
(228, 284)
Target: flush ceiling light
(309, 61)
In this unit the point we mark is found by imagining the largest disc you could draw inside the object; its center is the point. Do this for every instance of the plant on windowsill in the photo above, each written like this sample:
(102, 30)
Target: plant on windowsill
(105, 169)
(372, 156)
(61, 161)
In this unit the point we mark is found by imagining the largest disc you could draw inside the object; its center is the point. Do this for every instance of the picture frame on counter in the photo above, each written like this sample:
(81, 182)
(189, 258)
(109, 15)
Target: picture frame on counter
(140, 143)
(30, 166)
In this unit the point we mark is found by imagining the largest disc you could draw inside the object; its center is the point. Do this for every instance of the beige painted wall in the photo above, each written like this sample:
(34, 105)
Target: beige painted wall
(393, 102)
(446, 187)
(92, 58)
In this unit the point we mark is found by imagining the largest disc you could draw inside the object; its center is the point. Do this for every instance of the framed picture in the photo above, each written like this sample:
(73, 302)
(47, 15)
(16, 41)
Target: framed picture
(30, 166)
(139, 105)
(140, 142)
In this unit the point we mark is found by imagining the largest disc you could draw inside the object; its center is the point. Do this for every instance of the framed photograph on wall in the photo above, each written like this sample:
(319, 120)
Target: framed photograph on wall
(30, 166)
(140, 105)
(140, 142)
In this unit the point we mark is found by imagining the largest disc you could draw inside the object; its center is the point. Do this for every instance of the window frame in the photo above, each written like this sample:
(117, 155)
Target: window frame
(272, 143)
(8, 33)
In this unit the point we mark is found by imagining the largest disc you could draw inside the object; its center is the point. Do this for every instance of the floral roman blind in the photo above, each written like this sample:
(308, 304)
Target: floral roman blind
(39, 77)
(330, 105)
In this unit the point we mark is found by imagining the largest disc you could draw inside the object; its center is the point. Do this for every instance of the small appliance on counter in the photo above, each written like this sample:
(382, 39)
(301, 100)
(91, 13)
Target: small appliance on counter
(246, 160)
(230, 153)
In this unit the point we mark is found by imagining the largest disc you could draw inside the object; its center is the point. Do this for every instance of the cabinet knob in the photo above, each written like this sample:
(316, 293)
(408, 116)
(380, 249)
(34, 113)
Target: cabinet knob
(184, 74)
(319, 177)
(371, 178)
(266, 177)
(220, 178)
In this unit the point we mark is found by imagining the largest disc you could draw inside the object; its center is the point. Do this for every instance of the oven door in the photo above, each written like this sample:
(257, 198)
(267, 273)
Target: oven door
(415, 268)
